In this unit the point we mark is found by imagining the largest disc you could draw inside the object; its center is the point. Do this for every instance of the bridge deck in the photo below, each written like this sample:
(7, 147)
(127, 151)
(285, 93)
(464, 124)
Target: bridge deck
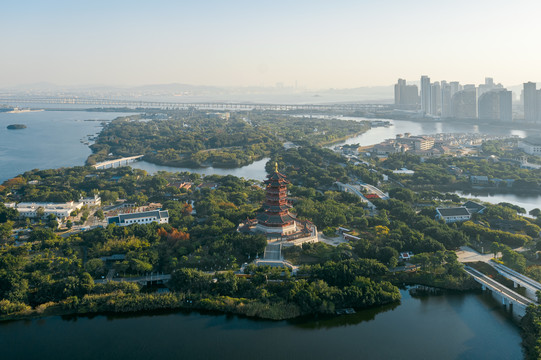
(105, 164)
(496, 286)
(516, 277)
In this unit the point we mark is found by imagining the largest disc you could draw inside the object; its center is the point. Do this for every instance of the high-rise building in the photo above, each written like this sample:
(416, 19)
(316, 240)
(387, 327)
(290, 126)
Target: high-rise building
(538, 106)
(489, 106)
(399, 89)
(486, 87)
(426, 94)
(530, 102)
(435, 99)
(405, 94)
(446, 96)
(464, 104)
(496, 105)
(506, 105)
(455, 87)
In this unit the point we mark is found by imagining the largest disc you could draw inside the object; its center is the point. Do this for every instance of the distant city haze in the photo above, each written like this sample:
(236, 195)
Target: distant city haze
(304, 44)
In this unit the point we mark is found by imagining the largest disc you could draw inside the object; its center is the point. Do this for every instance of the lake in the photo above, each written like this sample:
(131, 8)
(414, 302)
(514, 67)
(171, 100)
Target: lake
(51, 140)
(451, 326)
(255, 170)
(527, 202)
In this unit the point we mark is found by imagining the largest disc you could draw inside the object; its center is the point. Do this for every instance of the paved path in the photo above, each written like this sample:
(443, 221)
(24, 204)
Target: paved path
(335, 241)
(467, 254)
(273, 251)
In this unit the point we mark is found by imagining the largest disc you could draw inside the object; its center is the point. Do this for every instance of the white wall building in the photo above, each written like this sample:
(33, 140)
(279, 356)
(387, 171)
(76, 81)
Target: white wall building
(145, 217)
(532, 147)
(91, 201)
(451, 215)
(61, 210)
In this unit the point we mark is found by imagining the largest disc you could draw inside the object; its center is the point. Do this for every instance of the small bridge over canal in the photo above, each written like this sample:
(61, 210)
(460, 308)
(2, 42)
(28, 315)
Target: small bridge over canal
(117, 162)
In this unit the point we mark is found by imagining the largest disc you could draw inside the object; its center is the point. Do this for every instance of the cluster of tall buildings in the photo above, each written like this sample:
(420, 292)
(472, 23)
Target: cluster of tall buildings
(488, 101)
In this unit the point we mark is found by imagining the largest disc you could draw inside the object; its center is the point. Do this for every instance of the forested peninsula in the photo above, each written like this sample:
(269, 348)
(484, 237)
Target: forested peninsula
(189, 138)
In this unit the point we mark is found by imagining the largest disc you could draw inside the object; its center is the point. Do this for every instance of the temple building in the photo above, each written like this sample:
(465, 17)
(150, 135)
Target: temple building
(275, 221)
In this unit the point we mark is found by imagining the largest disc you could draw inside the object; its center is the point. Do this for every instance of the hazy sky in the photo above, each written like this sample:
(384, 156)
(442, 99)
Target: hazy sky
(320, 44)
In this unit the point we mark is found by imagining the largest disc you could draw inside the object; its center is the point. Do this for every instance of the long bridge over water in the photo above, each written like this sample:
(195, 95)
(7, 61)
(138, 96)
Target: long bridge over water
(146, 104)
(117, 162)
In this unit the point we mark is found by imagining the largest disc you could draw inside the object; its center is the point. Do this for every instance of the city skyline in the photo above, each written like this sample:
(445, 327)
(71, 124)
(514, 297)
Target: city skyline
(315, 45)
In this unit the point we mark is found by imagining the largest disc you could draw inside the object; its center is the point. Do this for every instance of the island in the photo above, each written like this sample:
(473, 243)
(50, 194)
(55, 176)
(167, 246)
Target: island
(16, 126)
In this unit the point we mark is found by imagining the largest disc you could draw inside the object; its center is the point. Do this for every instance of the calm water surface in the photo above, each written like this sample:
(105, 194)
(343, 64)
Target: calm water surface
(527, 202)
(470, 326)
(51, 140)
(255, 170)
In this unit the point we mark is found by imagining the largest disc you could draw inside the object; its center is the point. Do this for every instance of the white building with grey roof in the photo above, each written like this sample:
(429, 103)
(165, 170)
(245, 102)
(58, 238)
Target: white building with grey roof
(454, 214)
(145, 217)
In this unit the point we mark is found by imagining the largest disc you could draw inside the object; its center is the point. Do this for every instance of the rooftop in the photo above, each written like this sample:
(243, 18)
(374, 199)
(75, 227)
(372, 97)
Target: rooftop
(456, 211)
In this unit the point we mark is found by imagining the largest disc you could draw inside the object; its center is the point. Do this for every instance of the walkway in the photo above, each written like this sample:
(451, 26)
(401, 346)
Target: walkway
(143, 280)
(467, 254)
(273, 251)
(273, 257)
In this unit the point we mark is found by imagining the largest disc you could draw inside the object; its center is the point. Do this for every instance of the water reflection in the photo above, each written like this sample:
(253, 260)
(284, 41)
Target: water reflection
(332, 321)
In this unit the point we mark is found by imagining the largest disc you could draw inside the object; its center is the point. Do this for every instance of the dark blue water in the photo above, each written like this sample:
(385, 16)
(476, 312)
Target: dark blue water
(463, 326)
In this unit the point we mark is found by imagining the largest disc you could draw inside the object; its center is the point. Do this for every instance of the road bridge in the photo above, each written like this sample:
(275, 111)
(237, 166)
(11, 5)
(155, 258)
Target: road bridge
(518, 279)
(117, 162)
(374, 190)
(509, 298)
(352, 189)
(165, 105)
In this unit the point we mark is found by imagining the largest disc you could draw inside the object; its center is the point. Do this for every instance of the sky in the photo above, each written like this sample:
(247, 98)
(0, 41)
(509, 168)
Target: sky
(316, 44)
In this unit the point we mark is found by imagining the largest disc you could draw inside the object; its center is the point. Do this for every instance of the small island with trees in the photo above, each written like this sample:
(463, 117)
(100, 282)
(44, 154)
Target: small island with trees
(16, 127)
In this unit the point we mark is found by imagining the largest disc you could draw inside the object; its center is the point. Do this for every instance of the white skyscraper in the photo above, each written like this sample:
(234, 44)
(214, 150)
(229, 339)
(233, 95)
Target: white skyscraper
(435, 99)
(426, 94)
(530, 102)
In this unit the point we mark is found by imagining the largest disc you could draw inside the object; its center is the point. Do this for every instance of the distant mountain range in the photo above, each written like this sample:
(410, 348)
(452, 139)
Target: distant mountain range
(177, 92)
(182, 93)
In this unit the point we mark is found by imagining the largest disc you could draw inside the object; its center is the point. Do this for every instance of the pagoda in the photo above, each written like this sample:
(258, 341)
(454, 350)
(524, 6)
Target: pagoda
(274, 220)
(275, 217)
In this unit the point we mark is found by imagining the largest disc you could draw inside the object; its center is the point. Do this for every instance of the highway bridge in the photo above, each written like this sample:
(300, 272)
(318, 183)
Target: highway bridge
(509, 298)
(163, 105)
(518, 279)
